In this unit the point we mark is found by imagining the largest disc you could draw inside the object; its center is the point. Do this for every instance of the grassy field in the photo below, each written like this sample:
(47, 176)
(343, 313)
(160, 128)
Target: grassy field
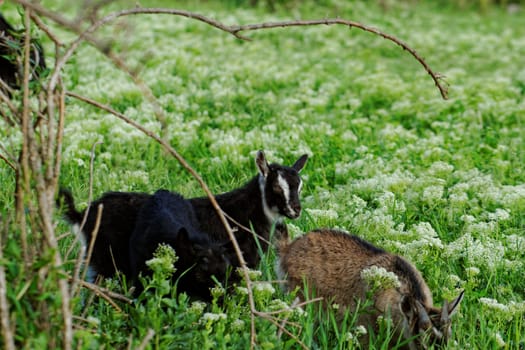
(441, 182)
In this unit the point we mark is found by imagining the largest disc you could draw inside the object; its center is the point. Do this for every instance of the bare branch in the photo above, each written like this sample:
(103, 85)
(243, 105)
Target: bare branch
(281, 328)
(330, 21)
(146, 339)
(8, 162)
(101, 293)
(94, 234)
(46, 30)
(106, 291)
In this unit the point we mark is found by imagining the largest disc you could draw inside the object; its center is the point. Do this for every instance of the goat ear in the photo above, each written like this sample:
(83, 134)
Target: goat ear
(424, 322)
(453, 306)
(300, 163)
(262, 164)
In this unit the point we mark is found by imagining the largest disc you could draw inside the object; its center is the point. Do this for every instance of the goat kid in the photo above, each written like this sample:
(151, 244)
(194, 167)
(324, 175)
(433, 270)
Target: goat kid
(330, 264)
(169, 218)
(260, 205)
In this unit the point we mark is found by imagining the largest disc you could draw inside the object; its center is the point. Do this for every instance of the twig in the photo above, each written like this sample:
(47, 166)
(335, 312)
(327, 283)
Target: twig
(90, 187)
(82, 251)
(46, 30)
(11, 165)
(7, 332)
(330, 21)
(101, 294)
(146, 339)
(107, 292)
(282, 328)
(246, 228)
(94, 234)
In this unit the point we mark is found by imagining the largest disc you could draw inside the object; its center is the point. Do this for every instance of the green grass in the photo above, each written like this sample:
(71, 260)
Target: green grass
(440, 182)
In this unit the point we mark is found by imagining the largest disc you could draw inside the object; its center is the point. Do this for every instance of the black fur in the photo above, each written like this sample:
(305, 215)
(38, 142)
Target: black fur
(168, 218)
(11, 50)
(244, 205)
(119, 213)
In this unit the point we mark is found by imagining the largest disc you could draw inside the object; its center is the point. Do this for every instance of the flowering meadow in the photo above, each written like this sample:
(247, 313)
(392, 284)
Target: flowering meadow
(440, 182)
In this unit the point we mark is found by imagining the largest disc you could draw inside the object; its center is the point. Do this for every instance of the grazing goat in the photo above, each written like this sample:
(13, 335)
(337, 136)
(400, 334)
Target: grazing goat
(169, 218)
(11, 53)
(259, 204)
(331, 263)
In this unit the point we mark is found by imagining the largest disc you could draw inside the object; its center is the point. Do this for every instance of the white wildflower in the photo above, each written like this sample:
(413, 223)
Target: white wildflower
(488, 252)
(217, 291)
(293, 230)
(237, 325)
(349, 136)
(299, 311)
(360, 330)
(361, 149)
(278, 305)
(210, 317)
(253, 274)
(515, 243)
(472, 271)
(264, 288)
(426, 236)
(349, 337)
(499, 340)
(93, 320)
(197, 307)
(499, 215)
(329, 214)
(467, 218)
(481, 228)
(432, 195)
(241, 290)
(441, 169)
(379, 278)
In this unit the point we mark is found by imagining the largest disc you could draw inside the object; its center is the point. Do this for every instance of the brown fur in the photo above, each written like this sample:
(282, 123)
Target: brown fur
(329, 263)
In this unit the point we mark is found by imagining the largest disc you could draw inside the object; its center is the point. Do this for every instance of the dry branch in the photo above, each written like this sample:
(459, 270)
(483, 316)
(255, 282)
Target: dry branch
(7, 332)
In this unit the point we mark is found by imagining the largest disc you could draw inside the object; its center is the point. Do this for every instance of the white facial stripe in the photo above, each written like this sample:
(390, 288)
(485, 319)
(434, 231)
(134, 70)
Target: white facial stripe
(286, 192)
(271, 213)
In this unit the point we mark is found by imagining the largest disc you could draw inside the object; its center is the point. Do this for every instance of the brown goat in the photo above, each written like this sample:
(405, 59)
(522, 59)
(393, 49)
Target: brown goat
(330, 263)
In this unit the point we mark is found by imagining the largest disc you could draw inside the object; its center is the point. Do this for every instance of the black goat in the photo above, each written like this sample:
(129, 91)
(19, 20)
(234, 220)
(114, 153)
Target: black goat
(11, 53)
(260, 204)
(169, 218)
